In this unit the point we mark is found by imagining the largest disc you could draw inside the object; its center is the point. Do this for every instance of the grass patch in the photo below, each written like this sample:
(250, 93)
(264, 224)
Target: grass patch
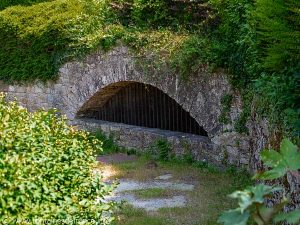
(206, 202)
(132, 216)
(153, 193)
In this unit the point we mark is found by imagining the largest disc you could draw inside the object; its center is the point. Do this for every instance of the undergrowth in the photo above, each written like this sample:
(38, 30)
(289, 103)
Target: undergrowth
(6, 3)
(109, 144)
(226, 102)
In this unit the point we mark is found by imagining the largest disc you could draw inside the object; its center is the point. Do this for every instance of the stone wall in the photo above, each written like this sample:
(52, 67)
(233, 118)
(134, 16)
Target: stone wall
(80, 85)
(200, 148)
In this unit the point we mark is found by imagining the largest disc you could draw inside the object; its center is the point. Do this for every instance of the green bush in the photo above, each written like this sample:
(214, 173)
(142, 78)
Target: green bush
(258, 42)
(150, 12)
(252, 201)
(109, 144)
(278, 33)
(7, 3)
(46, 170)
(161, 150)
(37, 39)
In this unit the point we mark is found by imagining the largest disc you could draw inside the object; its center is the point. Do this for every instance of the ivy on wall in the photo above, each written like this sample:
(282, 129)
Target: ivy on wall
(256, 42)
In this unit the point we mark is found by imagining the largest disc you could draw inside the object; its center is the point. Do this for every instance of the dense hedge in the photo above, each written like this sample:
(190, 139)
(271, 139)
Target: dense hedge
(46, 171)
(37, 39)
(259, 43)
(6, 3)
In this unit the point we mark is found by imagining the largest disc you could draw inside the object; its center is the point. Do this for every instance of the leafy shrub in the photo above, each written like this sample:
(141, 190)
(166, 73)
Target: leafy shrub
(278, 33)
(160, 150)
(188, 58)
(160, 13)
(164, 149)
(258, 42)
(38, 42)
(252, 200)
(7, 3)
(150, 12)
(279, 100)
(37, 39)
(109, 145)
(226, 102)
(234, 40)
(46, 170)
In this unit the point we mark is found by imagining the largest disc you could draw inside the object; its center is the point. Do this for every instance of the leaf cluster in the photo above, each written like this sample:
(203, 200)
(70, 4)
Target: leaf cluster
(7, 3)
(37, 39)
(46, 170)
(252, 200)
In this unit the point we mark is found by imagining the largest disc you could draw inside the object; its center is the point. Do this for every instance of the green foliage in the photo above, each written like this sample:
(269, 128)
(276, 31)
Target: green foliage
(234, 40)
(160, 13)
(7, 3)
(251, 201)
(46, 170)
(279, 100)
(291, 217)
(150, 12)
(187, 60)
(161, 150)
(164, 149)
(278, 33)
(226, 102)
(256, 42)
(37, 39)
(288, 159)
(109, 145)
(35, 44)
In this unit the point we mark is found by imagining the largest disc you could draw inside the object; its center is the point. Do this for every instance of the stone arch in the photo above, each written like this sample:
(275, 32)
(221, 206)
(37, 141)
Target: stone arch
(80, 81)
(138, 104)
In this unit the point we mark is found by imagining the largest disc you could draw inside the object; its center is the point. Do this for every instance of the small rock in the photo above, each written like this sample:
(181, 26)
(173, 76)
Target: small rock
(164, 177)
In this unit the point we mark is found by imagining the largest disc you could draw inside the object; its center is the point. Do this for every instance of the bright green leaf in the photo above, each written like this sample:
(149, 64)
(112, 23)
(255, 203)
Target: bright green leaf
(287, 147)
(291, 217)
(271, 157)
(234, 217)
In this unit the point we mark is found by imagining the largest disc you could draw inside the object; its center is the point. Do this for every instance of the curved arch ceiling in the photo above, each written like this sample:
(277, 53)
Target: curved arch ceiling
(141, 105)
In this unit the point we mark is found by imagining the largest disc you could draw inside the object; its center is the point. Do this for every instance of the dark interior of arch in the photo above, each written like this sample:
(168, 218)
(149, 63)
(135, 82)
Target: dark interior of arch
(141, 105)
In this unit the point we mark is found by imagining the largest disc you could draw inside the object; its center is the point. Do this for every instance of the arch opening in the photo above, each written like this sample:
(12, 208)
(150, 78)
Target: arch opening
(142, 105)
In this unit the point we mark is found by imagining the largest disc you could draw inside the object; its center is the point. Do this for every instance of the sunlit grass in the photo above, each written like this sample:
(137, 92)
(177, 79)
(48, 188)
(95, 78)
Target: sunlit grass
(205, 202)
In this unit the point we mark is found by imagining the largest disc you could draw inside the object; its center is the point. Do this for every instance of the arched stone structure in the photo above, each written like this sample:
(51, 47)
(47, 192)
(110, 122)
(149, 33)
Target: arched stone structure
(138, 104)
(79, 82)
